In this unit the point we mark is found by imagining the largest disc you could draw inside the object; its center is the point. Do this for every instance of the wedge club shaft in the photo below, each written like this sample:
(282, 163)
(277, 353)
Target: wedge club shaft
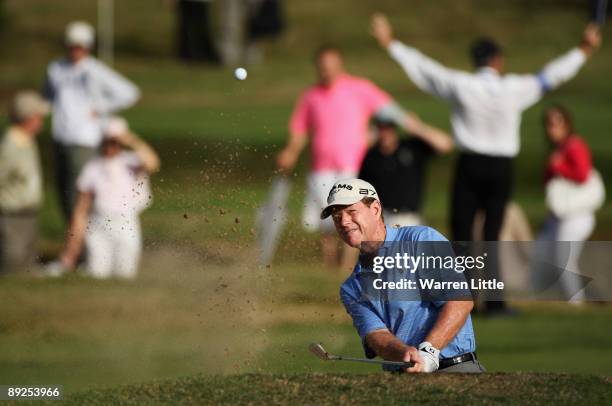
(318, 350)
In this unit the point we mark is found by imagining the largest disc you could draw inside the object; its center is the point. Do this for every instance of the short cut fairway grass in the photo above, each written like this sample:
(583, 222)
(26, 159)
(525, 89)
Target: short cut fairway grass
(201, 308)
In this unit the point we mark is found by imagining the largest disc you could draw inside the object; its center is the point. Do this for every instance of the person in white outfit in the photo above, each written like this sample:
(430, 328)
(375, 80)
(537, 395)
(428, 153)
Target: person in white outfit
(113, 190)
(569, 160)
(83, 92)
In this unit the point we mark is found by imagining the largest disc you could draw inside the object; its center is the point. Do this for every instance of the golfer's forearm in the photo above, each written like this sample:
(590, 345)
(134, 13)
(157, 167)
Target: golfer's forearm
(449, 322)
(386, 345)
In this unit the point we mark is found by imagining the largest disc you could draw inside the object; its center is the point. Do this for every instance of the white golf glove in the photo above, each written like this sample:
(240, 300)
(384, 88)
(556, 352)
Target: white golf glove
(430, 356)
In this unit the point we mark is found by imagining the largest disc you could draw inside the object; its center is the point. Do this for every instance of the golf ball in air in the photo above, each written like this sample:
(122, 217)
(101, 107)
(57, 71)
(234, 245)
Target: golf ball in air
(240, 73)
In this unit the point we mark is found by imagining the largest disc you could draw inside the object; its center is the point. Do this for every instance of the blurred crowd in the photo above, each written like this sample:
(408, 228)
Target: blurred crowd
(486, 109)
(101, 167)
(354, 128)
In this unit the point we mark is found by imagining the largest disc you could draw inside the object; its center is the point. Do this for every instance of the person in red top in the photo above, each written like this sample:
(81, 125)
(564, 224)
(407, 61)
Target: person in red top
(570, 159)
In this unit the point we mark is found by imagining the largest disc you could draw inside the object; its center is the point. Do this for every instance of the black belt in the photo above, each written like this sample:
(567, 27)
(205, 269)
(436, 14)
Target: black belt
(449, 362)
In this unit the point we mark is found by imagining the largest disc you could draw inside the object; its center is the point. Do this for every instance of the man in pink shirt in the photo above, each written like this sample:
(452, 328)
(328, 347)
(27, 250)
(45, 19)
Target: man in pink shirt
(334, 114)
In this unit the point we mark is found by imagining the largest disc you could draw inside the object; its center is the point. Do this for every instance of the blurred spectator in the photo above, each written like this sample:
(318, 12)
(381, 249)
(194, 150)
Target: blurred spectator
(514, 257)
(265, 19)
(577, 192)
(334, 114)
(515, 225)
(21, 192)
(486, 114)
(233, 13)
(396, 168)
(194, 31)
(113, 191)
(83, 91)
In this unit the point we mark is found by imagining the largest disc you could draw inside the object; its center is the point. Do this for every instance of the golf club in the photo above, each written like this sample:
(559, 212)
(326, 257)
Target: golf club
(318, 350)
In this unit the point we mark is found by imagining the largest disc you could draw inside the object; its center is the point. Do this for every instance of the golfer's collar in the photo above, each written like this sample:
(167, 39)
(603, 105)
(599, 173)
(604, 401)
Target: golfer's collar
(390, 237)
(392, 233)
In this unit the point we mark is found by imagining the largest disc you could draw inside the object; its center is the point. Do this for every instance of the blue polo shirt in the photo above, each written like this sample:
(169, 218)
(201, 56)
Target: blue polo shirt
(410, 321)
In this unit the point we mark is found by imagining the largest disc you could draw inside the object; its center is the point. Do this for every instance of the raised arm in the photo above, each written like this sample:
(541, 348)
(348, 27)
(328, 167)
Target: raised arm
(427, 74)
(567, 66)
(147, 155)
(529, 89)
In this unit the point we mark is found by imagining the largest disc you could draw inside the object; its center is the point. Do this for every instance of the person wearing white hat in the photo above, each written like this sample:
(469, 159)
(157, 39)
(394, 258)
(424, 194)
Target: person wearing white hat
(435, 335)
(21, 191)
(83, 91)
(113, 190)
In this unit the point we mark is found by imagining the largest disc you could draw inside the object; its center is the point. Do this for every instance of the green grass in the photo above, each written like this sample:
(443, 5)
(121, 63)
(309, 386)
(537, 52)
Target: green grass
(204, 309)
(328, 389)
(201, 305)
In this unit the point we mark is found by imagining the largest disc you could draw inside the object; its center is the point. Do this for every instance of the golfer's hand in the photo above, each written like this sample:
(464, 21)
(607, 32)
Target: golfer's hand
(423, 361)
(412, 355)
(591, 39)
(380, 28)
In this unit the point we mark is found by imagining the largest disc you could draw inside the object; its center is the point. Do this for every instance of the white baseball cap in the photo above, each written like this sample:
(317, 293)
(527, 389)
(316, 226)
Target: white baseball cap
(346, 192)
(28, 103)
(79, 33)
(114, 126)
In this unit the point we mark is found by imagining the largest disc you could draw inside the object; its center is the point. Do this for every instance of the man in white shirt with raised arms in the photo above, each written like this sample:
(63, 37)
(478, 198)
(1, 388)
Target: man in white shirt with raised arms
(486, 116)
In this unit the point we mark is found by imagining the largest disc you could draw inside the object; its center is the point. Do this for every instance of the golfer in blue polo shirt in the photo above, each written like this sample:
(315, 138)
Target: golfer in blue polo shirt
(435, 335)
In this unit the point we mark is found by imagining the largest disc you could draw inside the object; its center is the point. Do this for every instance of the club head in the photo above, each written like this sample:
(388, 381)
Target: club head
(318, 350)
